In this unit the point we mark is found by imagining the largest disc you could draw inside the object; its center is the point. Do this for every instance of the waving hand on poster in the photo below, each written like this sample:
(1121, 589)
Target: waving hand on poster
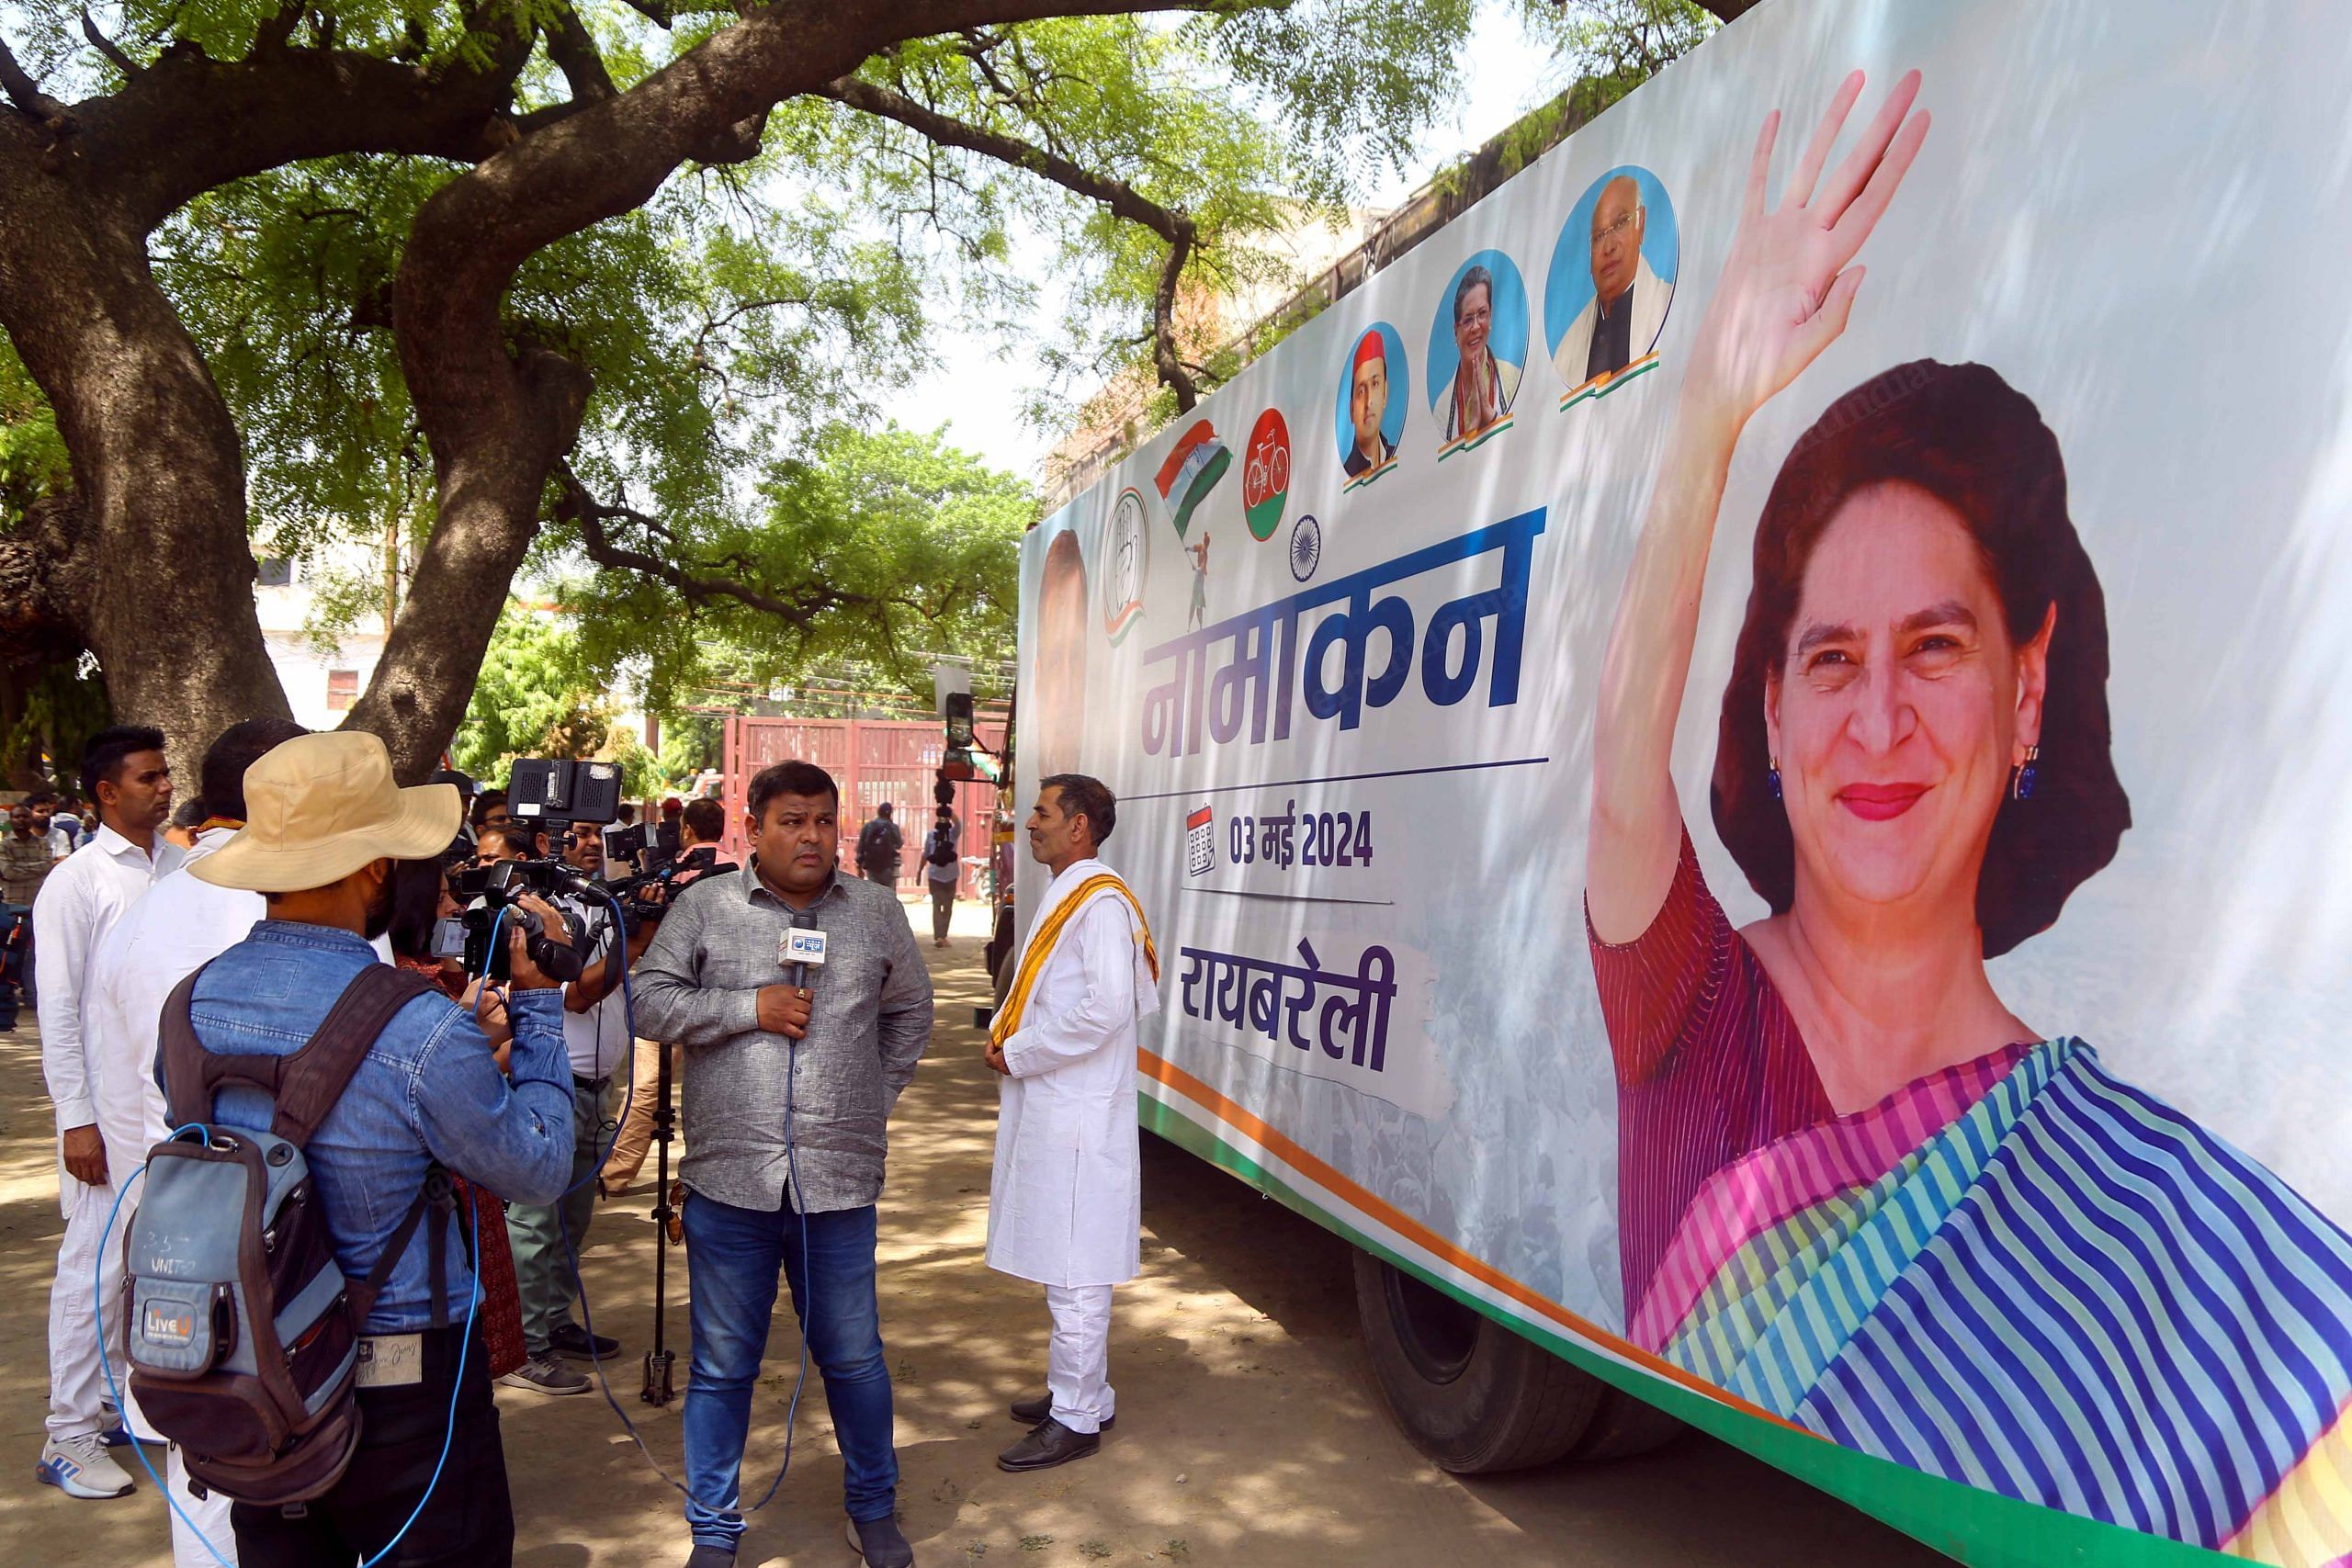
(1785, 296)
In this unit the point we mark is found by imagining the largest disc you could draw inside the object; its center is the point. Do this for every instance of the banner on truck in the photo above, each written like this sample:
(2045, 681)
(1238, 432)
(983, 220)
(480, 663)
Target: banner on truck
(1770, 801)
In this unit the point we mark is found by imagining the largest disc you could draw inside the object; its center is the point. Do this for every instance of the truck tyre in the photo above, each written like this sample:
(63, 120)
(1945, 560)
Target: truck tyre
(1471, 1395)
(1625, 1427)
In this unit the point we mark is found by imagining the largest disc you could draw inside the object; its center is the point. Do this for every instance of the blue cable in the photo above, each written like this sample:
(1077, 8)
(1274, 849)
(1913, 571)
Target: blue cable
(97, 1294)
(465, 1345)
(580, 1286)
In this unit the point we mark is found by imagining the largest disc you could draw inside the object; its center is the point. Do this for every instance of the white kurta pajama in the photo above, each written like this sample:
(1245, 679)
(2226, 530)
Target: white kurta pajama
(1066, 1199)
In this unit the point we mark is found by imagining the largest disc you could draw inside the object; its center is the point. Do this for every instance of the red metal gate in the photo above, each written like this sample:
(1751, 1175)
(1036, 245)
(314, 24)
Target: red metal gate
(872, 760)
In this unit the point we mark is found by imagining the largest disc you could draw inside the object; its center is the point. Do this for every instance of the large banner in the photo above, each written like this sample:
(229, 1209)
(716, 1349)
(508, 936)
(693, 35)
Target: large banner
(1741, 759)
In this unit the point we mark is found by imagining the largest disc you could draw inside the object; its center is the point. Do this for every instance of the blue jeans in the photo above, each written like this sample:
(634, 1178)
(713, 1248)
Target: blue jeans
(732, 1255)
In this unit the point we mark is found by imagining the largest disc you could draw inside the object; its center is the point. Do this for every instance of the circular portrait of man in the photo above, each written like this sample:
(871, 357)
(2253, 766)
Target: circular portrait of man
(1612, 281)
(1370, 419)
(1477, 350)
(1059, 703)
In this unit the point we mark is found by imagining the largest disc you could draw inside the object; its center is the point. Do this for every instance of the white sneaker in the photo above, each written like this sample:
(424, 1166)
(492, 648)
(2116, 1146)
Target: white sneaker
(81, 1466)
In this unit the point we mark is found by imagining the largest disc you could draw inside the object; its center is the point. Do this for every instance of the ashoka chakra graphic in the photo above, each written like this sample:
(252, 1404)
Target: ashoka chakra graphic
(1306, 548)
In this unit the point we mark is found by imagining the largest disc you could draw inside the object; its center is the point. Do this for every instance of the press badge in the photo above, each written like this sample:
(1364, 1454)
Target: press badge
(392, 1361)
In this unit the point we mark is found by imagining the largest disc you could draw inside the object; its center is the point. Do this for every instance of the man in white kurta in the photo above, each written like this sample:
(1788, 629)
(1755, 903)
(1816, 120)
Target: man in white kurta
(123, 768)
(1065, 1201)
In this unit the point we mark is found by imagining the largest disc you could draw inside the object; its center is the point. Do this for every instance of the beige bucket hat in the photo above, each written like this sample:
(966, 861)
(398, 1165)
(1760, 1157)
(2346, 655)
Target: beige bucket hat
(319, 807)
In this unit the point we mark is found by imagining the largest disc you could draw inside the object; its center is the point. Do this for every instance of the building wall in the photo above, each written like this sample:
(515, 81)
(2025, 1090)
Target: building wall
(321, 684)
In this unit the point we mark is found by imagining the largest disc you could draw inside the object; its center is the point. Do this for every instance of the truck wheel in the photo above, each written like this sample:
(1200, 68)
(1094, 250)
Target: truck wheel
(1471, 1395)
(1625, 1427)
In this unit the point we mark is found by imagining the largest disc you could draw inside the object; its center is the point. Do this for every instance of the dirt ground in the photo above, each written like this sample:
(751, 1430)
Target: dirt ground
(1249, 1432)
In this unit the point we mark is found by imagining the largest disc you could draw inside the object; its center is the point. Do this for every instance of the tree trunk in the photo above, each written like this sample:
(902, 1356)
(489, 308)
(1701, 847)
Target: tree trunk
(168, 606)
(520, 415)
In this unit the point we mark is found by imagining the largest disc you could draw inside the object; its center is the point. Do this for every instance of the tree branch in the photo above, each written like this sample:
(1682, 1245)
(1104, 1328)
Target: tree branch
(1123, 199)
(106, 46)
(24, 92)
(276, 30)
(575, 54)
(1728, 10)
(577, 505)
(189, 123)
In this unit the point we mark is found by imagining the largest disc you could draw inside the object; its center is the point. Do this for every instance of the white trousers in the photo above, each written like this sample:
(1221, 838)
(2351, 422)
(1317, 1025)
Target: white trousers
(1078, 1357)
(77, 1389)
(209, 1514)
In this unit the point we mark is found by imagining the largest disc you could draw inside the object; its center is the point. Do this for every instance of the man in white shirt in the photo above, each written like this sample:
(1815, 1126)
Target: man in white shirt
(49, 817)
(122, 769)
(943, 876)
(1066, 1196)
(547, 1238)
(181, 924)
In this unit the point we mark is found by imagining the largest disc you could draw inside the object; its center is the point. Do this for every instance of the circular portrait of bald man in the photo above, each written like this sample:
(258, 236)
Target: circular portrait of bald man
(1371, 417)
(1612, 281)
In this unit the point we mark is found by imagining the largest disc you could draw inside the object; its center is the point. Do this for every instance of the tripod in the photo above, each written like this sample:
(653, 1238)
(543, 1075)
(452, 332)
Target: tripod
(659, 1362)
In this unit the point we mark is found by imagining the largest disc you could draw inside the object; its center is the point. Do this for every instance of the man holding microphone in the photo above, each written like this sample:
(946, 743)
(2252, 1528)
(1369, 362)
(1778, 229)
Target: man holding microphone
(792, 1065)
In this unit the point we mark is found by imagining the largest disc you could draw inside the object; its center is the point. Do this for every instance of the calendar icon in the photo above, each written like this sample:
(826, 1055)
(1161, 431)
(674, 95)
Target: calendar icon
(1200, 842)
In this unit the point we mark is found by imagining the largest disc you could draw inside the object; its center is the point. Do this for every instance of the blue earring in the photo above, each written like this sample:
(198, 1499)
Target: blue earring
(1772, 779)
(2021, 785)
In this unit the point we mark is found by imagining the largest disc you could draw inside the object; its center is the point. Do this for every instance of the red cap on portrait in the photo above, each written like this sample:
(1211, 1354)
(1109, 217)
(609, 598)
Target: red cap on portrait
(1371, 347)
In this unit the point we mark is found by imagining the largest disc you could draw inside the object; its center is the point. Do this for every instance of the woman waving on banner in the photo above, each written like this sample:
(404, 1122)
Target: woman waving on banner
(1854, 1187)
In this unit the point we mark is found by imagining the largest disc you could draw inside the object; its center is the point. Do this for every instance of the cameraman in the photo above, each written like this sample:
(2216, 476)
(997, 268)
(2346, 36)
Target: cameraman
(701, 824)
(545, 1237)
(327, 823)
(784, 1165)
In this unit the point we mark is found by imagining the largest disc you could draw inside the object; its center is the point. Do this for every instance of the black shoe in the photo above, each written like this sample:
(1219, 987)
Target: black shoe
(1031, 1411)
(542, 1374)
(880, 1544)
(707, 1556)
(571, 1339)
(1049, 1443)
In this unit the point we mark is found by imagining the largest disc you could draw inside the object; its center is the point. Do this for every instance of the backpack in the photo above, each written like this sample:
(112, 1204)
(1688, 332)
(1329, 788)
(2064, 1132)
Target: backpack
(243, 1334)
(943, 848)
(878, 845)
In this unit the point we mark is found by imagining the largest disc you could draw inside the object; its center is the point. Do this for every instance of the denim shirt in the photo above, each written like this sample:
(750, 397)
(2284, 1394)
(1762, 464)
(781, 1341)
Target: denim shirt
(429, 1090)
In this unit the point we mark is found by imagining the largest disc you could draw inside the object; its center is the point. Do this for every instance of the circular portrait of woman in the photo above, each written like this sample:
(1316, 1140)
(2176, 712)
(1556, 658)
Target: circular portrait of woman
(1612, 281)
(1369, 423)
(1059, 705)
(1856, 1188)
(1478, 351)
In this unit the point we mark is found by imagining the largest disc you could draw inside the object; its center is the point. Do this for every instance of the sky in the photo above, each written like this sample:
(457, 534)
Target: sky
(1506, 77)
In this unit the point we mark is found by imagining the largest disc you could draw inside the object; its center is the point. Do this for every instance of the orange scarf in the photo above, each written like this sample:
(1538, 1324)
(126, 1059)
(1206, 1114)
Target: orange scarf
(1041, 947)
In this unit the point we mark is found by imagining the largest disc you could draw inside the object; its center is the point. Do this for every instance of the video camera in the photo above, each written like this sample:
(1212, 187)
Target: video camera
(544, 791)
(500, 889)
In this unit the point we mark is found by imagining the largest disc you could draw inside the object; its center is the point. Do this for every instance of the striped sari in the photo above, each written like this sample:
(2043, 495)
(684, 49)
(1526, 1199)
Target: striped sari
(2024, 1275)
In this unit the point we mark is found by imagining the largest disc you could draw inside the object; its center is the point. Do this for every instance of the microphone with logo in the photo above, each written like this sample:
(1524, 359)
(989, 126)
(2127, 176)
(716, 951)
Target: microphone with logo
(803, 949)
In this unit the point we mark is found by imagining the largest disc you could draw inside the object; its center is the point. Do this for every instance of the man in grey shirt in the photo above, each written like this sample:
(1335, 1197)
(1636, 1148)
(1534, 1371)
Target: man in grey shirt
(788, 1085)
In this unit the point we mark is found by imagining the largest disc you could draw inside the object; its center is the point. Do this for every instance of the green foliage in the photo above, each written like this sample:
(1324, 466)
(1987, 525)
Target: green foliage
(64, 705)
(690, 743)
(535, 697)
(32, 457)
(711, 319)
(884, 543)
(1607, 48)
(640, 770)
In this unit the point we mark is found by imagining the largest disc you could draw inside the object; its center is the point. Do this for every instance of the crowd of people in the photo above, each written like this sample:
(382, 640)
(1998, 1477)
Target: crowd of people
(508, 1085)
